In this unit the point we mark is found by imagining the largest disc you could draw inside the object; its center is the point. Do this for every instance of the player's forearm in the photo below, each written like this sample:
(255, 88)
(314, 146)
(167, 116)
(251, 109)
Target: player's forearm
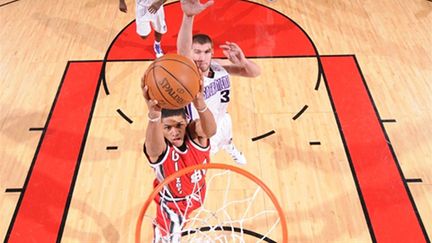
(207, 121)
(154, 142)
(250, 69)
(184, 39)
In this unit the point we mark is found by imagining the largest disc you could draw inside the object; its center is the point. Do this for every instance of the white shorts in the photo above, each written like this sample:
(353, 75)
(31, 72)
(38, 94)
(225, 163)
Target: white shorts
(223, 134)
(144, 19)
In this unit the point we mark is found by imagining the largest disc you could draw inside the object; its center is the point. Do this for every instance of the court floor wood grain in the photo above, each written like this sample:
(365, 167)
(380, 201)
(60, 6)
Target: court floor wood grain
(315, 184)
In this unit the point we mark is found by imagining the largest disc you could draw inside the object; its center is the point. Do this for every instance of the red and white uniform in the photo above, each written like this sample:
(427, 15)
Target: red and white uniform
(183, 195)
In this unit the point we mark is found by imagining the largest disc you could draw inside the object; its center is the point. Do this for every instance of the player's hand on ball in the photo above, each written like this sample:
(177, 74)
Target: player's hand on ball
(194, 7)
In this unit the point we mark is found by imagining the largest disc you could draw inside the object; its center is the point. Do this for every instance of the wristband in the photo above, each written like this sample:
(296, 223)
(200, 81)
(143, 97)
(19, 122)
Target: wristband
(154, 119)
(202, 110)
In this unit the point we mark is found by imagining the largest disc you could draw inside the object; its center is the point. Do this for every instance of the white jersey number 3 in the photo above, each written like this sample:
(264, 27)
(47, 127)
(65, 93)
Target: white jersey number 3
(225, 96)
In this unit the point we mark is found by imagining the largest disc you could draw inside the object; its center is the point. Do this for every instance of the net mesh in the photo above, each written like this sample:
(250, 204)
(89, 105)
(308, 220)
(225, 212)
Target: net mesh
(233, 209)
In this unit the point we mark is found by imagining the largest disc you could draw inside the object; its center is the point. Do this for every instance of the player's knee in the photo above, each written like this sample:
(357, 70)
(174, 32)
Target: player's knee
(143, 30)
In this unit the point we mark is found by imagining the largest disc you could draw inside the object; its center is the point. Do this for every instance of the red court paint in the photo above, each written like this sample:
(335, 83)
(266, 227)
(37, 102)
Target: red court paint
(258, 30)
(391, 213)
(40, 213)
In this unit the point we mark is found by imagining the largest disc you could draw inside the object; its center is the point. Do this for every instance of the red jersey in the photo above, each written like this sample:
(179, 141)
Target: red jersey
(175, 159)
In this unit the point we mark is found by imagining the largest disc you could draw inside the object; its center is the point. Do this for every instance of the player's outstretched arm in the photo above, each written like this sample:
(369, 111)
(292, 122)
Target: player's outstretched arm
(122, 6)
(184, 38)
(190, 8)
(239, 65)
(154, 142)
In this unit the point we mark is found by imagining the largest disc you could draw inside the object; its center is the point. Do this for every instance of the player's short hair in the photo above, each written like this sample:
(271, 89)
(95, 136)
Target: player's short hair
(176, 112)
(202, 39)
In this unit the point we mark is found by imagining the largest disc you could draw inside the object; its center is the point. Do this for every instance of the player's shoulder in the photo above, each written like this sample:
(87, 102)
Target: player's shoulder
(217, 65)
(194, 139)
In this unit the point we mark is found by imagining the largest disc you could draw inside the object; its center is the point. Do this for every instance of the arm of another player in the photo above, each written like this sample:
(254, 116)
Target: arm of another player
(122, 6)
(154, 7)
(190, 8)
(239, 65)
(154, 143)
(205, 127)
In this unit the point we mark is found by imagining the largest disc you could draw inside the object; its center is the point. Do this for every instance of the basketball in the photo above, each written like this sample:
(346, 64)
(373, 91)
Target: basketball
(173, 80)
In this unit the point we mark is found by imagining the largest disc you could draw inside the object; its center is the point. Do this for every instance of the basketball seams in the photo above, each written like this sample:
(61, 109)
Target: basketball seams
(178, 81)
(157, 86)
(194, 68)
(178, 84)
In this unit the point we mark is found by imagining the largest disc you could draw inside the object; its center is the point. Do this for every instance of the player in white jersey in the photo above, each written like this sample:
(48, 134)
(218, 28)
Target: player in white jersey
(217, 83)
(149, 12)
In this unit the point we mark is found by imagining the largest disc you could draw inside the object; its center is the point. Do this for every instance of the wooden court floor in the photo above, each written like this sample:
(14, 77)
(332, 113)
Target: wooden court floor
(344, 97)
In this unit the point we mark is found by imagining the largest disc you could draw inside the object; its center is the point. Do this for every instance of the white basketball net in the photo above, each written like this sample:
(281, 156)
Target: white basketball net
(235, 209)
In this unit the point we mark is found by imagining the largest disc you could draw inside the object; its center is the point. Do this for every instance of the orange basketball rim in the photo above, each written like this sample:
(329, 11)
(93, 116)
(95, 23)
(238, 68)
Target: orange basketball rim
(212, 166)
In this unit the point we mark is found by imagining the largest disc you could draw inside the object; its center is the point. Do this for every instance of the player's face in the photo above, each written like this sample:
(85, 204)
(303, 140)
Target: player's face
(174, 129)
(202, 55)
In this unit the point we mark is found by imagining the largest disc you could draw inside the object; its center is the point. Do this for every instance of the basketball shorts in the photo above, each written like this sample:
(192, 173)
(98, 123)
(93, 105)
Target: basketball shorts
(223, 134)
(144, 19)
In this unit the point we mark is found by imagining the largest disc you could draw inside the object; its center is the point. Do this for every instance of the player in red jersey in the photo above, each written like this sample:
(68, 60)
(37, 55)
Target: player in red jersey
(171, 145)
